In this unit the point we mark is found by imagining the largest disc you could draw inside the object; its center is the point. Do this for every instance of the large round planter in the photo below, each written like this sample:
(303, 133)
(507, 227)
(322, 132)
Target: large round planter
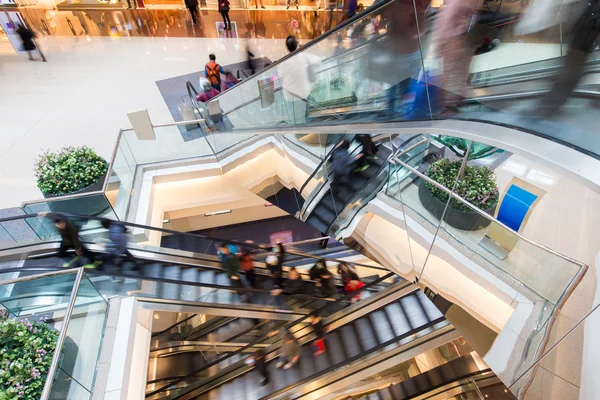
(94, 205)
(464, 220)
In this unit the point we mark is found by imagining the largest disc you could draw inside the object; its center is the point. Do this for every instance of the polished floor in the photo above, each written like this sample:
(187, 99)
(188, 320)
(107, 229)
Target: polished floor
(252, 23)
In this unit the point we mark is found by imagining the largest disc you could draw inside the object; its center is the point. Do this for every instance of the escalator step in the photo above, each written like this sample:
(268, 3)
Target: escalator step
(153, 270)
(349, 340)
(415, 313)
(399, 322)
(306, 366)
(171, 290)
(432, 311)
(335, 347)
(317, 223)
(332, 205)
(324, 214)
(189, 292)
(366, 335)
(382, 326)
(206, 276)
(386, 394)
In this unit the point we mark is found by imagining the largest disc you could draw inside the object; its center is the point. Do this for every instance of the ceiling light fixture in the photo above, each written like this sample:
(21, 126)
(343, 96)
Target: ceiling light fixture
(210, 214)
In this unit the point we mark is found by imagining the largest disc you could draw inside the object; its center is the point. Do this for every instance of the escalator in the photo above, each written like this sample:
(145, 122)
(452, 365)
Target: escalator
(166, 274)
(369, 330)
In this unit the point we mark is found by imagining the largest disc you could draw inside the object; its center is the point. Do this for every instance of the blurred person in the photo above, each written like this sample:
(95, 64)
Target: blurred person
(495, 43)
(69, 239)
(192, 6)
(324, 242)
(297, 76)
(224, 11)
(208, 93)
(395, 59)
(584, 15)
(288, 4)
(292, 285)
(213, 72)
(247, 265)
(486, 47)
(117, 233)
(326, 286)
(368, 151)
(450, 36)
(229, 81)
(351, 286)
(347, 272)
(276, 270)
(260, 364)
(261, 4)
(290, 352)
(342, 163)
(317, 269)
(28, 39)
(318, 328)
(230, 263)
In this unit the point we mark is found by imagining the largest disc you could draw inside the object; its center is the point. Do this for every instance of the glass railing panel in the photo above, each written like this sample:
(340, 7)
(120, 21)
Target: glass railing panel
(336, 79)
(171, 143)
(37, 295)
(84, 336)
(120, 185)
(65, 387)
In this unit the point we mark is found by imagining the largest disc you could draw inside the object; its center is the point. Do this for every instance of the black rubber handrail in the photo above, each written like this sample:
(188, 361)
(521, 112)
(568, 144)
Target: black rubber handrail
(266, 336)
(170, 231)
(155, 334)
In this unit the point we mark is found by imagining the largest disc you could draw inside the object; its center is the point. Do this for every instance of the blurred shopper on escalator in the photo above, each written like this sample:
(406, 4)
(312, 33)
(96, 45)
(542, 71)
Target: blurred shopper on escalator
(69, 239)
(342, 164)
(368, 151)
(351, 286)
(297, 76)
(347, 273)
(290, 352)
(260, 364)
(450, 37)
(117, 248)
(325, 285)
(229, 81)
(208, 93)
(317, 269)
(292, 285)
(316, 324)
(230, 263)
(274, 262)
(582, 18)
(247, 265)
(213, 71)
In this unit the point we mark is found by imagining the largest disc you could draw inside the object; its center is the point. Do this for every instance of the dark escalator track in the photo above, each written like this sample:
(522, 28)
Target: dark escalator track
(348, 341)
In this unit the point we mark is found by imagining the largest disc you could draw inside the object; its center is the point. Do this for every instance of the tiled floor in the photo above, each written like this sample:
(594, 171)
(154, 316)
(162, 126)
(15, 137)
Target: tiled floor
(84, 91)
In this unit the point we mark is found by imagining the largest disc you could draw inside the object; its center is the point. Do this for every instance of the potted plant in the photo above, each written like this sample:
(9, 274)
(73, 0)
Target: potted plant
(72, 170)
(476, 184)
(26, 350)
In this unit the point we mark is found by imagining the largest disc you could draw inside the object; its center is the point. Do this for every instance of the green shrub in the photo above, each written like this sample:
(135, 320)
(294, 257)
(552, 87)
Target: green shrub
(478, 186)
(26, 350)
(69, 170)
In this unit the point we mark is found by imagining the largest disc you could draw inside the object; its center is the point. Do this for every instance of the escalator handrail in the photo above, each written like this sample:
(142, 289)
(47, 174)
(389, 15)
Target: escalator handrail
(169, 231)
(266, 336)
(365, 13)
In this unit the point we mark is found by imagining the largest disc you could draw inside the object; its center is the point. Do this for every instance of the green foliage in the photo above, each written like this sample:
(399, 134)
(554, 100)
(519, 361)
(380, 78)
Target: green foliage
(69, 170)
(26, 350)
(478, 186)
